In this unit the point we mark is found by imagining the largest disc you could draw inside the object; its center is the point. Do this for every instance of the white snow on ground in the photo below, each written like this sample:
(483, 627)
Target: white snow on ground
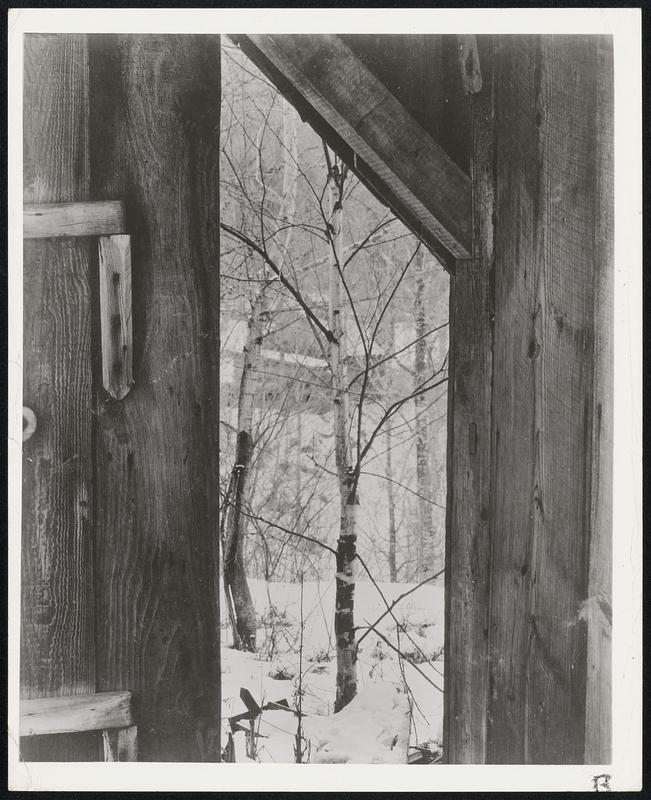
(374, 728)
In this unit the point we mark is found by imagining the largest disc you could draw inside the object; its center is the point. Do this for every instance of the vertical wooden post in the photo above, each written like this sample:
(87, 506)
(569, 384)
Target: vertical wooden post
(57, 638)
(469, 512)
(598, 608)
(155, 103)
(529, 571)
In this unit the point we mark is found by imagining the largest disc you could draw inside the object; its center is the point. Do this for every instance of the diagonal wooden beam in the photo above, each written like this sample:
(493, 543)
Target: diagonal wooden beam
(359, 107)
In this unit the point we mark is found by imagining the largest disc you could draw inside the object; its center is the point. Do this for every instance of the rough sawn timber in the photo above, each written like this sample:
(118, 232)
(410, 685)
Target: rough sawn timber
(542, 553)
(57, 617)
(90, 712)
(155, 145)
(598, 607)
(469, 513)
(53, 220)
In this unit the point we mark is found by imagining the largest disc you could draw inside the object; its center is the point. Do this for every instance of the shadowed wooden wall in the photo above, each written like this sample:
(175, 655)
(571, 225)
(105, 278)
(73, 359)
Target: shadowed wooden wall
(530, 446)
(120, 511)
(154, 143)
(57, 619)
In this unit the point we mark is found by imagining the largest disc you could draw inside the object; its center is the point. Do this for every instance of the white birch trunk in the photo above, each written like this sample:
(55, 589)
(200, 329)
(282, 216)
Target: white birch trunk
(346, 684)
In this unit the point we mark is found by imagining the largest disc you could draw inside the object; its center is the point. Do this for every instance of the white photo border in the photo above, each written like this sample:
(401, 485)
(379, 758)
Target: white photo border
(626, 769)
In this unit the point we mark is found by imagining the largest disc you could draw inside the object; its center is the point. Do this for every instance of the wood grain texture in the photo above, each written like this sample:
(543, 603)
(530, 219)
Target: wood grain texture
(115, 314)
(598, 722)
(529, 526)
(121, 745)
(57, 642)
(55, 124)
(155, 144)
(45, 220)
(88, 712)
(469, 64)
(543, 367)
(57, 622)
(469, 514)
(414, 68)
(362, 110)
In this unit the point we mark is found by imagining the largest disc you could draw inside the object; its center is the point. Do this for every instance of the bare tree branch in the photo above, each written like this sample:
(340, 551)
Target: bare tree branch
(406, 658)
(402, 486)
(397, 600)
(290, 288)
(397, 353)
(271, 524)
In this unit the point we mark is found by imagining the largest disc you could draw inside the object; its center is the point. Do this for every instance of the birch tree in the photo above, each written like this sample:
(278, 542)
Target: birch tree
(349, 502)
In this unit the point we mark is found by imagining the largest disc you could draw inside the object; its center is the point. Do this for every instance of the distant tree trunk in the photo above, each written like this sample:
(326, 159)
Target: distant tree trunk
(235, 580)
(298, 508)
(425, 520)
(235, 577)
(346, 687)
(393, 572)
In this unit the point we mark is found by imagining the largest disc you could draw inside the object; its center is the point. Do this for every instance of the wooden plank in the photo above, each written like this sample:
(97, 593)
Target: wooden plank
(543, 366)
(55, 124)
(87, 712)
(468, 519)
(115, 314)
(598, 607)
(360, 108)
(121, 745)
(47, 220)
(57, 620)
(156, 504)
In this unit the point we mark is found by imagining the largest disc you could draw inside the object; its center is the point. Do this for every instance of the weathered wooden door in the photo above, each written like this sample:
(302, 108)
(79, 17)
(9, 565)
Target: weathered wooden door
(119, 556)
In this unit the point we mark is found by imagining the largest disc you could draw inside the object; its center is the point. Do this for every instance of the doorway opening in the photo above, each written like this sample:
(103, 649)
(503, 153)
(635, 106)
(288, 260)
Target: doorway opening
(333, 424)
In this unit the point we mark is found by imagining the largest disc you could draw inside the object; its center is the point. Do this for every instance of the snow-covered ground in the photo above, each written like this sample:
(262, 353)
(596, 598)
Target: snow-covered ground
(398, 703)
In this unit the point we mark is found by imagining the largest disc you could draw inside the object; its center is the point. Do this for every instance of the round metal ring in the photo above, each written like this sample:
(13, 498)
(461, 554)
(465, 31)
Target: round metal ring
(29, 423)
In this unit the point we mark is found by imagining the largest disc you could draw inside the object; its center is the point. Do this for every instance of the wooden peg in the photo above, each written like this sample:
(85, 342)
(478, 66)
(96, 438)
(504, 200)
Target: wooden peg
(115, 314)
